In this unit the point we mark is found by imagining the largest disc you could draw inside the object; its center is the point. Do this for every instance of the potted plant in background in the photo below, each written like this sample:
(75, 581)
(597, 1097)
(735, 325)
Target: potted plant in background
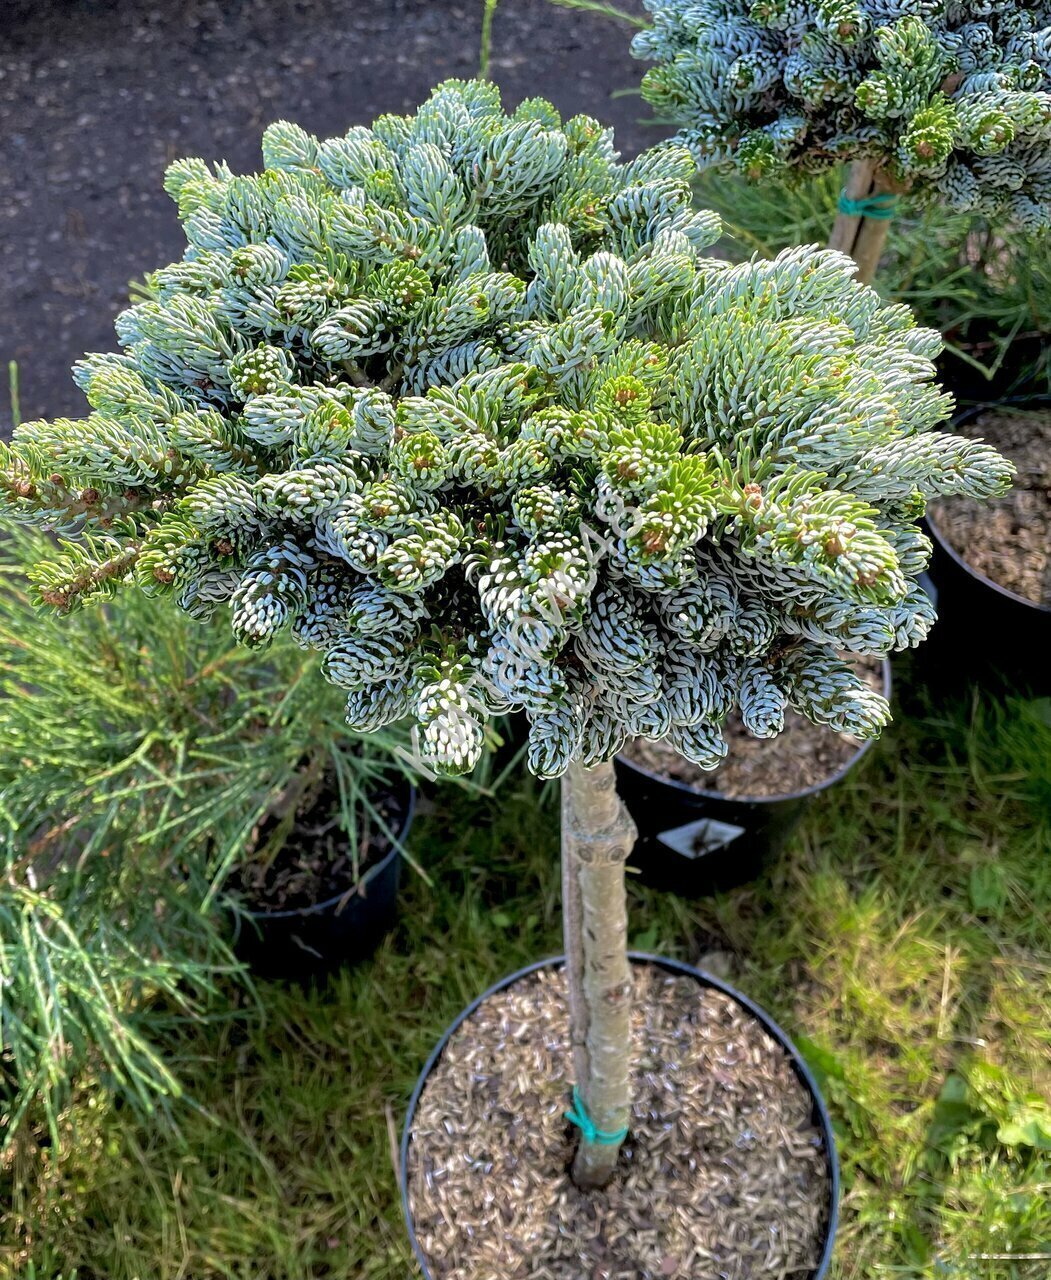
(992, 571)
(702, 830)
(182, 757)
(460, 401)
(944, 104)
(177, 752)
(947, 107)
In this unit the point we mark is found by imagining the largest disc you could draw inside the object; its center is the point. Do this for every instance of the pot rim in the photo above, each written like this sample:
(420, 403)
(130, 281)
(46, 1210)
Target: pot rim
(805, 794)
(973, 411)
(373, 873)
(797, 1060)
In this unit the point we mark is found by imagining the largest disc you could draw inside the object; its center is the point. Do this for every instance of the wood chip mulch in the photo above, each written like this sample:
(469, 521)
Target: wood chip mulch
(723, 1177)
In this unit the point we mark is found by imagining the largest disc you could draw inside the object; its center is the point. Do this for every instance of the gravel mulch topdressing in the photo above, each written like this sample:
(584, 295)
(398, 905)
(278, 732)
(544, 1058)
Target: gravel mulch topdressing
(723, 1177)
(801, 756)
(1009, 540)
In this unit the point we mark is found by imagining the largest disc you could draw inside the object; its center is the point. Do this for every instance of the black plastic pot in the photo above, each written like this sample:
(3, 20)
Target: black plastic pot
(820, 1111)
(311, 941)
(984, 633)
(1023, 373)
(694, 842)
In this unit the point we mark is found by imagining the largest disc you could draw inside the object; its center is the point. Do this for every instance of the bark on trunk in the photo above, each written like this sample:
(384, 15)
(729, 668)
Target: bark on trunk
(862, 238)
(597, 837)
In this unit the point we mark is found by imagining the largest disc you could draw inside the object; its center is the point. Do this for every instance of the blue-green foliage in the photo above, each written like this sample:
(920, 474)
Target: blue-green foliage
(459, 400)
(952, 98)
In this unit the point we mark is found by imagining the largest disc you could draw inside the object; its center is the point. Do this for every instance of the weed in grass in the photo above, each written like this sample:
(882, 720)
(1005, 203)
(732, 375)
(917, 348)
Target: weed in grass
(13, 394)
(486, 41)
(604, 10)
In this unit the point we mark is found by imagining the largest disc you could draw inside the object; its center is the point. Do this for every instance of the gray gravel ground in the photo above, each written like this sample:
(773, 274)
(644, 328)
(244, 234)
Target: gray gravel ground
(98, 96)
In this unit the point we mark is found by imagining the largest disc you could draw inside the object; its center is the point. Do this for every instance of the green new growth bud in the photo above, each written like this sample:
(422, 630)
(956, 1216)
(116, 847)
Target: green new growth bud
(842, 22)
(757, 155)
(422, 556)
(257, 264)
(306, 298)
(542, 509)
(254, 373)
(451, 733)
(928, 141)
(421, 460)
(984, 126)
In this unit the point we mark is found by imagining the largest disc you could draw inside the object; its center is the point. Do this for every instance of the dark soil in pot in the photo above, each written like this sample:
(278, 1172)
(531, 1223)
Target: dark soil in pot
(317, 859)
(314, 898)
(971, 369)
(1008, 541)
(726, 1174)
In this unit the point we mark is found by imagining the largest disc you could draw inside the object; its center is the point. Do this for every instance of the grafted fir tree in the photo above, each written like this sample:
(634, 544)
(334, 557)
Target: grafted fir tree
(459, 401)
(945, 101)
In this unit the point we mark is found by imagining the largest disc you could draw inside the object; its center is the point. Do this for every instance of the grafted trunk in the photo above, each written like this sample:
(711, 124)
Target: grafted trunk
(597, 837)
(860, 237)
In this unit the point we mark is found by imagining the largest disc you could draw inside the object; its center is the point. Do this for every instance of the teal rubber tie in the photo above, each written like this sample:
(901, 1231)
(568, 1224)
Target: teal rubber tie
(578, 1115)
(880, 207)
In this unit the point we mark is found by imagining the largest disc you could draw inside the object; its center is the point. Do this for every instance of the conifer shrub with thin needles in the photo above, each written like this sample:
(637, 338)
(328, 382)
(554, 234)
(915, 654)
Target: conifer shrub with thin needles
(142, 750)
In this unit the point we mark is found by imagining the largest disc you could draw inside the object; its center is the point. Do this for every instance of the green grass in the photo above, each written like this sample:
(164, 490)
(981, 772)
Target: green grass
(905, 938)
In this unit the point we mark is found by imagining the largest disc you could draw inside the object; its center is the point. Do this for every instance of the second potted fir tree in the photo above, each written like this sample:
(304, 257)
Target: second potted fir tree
(945, 106)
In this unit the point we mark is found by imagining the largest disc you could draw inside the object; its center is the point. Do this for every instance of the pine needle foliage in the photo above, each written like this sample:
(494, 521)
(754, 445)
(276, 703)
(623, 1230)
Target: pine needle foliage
(952, 99)
(141, 750)
(459, 401)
